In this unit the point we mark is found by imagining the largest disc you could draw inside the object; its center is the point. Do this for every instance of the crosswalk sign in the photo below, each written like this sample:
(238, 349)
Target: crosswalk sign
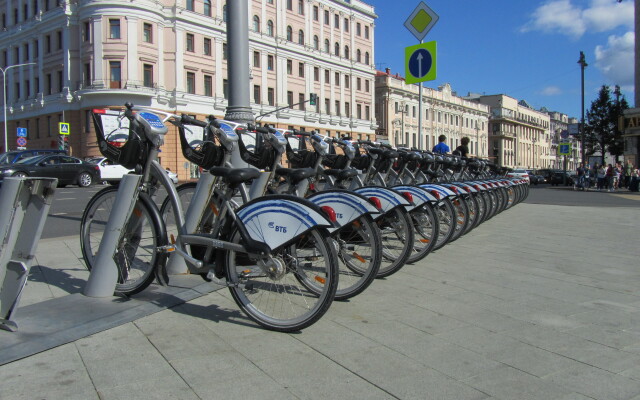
(63, 128)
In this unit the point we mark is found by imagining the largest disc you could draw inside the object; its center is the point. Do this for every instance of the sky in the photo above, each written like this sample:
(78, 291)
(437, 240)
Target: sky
(526, 49)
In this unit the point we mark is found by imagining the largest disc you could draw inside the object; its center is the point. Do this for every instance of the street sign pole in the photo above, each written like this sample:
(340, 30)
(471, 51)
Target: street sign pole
(420, 137)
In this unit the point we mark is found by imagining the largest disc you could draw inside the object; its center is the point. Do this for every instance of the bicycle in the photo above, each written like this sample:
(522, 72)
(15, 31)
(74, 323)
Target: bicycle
(271, 253)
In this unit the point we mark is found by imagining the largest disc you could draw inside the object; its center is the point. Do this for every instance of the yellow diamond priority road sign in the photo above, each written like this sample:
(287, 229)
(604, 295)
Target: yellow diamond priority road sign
(421, 20)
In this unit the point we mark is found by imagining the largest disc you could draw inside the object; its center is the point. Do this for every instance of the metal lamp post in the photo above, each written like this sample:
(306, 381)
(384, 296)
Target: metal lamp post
(4, 97)
(583, 65)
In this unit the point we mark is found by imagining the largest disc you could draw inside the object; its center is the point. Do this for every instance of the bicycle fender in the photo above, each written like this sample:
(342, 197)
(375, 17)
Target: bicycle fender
(277, 219)
(347, 205)
(420, 195)
(443, 191)
(466, 186)
(389, 199)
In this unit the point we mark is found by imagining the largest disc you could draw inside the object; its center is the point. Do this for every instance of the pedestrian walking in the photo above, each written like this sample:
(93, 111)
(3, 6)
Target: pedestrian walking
(617, 171)
(609, 176)
(628, 172)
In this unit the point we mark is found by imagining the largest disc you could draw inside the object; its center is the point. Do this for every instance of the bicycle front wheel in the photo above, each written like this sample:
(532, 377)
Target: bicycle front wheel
(291, 290)
(136, 255)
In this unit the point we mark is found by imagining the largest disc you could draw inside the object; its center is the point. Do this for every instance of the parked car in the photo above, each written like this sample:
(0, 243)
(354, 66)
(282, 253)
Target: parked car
(69, 170)
(557, 178)
(17, 155)
(110, 172)
(535, 178)
(519, 173)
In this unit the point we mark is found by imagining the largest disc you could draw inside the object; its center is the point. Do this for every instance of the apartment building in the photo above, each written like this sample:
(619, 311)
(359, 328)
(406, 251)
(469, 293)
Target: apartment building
(443, 113)
(519, 136)
(172, 55)
(559, 129)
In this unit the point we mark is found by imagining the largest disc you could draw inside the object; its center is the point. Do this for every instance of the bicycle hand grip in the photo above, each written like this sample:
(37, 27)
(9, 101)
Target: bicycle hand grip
(185, 119)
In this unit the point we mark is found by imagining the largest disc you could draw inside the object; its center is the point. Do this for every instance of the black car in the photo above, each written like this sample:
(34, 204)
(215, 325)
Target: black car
(11, 157)
(69, 170)
(558, 178)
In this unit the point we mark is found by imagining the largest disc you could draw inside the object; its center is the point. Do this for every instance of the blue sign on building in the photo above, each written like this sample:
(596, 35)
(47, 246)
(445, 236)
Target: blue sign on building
(22, 132)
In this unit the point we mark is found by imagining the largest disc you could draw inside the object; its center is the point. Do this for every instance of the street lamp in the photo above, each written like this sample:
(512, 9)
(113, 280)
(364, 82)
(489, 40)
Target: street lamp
(583, 65)
(4, 97)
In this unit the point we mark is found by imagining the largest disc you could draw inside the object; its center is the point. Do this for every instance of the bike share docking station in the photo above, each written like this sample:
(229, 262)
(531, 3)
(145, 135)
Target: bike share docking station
(25, 203)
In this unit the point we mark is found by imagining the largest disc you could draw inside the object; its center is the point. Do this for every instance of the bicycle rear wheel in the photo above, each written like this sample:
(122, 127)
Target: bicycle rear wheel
(136, 256)
(291, 293)
(426, 228)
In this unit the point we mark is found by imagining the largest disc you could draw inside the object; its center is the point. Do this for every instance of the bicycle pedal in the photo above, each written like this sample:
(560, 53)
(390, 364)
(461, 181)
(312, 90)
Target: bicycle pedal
(211, 277)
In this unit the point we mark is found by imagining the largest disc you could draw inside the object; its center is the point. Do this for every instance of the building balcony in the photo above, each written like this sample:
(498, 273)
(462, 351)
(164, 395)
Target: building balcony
(138, 87)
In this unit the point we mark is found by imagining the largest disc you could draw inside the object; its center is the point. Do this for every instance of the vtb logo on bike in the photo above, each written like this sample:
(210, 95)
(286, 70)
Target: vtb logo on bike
(277, 228)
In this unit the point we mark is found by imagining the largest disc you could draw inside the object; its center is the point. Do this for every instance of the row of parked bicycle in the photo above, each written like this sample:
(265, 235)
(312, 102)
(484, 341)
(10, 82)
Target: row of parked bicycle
(285, 241)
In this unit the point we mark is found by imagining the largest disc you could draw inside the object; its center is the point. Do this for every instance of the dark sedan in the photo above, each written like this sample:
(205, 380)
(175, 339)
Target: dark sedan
(69, 170)
(558, 178)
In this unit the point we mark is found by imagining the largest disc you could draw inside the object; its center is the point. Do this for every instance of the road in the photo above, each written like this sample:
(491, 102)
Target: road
(69, 203)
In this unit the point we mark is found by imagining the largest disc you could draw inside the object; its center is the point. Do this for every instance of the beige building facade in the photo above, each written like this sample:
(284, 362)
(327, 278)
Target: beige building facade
(519, 136)
(559, 129)
(172, 55)
(443, 113)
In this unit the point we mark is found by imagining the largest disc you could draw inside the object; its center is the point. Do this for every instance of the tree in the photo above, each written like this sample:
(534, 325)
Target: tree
(601, 126)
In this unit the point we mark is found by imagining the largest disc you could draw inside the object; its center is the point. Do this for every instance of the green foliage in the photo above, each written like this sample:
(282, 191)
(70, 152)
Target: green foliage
(601, 125)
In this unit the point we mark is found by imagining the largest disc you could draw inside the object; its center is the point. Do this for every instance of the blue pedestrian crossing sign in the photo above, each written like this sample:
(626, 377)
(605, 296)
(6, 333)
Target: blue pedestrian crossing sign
(420, 62)
(63, 128)
(564, 149)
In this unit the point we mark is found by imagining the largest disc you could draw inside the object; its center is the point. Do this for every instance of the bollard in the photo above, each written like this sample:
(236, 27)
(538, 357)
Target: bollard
(104, 274)
(26, 202)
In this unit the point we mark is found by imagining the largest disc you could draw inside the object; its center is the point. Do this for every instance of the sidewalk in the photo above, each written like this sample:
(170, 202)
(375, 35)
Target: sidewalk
(537, 303)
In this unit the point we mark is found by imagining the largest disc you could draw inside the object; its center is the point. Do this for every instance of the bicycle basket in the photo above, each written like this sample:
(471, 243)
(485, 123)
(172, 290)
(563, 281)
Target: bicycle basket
(121, 144)
(361, 161)
(300, 157)
(256, 151)
(199, 147)
(335, 161)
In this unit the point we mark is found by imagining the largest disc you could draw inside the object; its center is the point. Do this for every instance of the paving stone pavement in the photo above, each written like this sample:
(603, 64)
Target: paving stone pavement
(541, 302)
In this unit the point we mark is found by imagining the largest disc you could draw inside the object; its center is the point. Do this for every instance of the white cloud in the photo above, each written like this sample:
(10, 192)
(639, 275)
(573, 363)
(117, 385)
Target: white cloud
(562, 16)
(616, 59)
(551, 91)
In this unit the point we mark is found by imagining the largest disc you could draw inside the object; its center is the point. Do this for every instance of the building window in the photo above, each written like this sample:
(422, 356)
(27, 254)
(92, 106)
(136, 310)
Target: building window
(256, 59)
(224, 51)
(271, 96)
(366, 86)
(326, 17)
(208, 85)
(256, 94)
(148, 75)
(147, 33)
(301, 70)
(346, 52)
(191, 82)
(347, 109)
(190, 5)
(358, 84)
(316, 42)
(290, 5)
(87, 75)
(114, 29)
(367, 114)
(289, 67)
(359, 111)
(346, 24)
(207, 8)
(115, 71)
(224, 14)
(270, 62)
(59, 36)
(338, 107)
(86, 31)
(290, 99)
(225, 88)
(336, 21)
(337, 79)
(301, 7)
(358, 29)
(289, 33)
(48, 81)
(366, 58)
(316, 74)
(326, 76)
(316, 14)
(326, 45)
(60, 81)
(270, 28)
(347, 81)
(358, 55)
(47, 44)
(366, 32)
(256, 24)
(27, 88)
(300, 37)
(327, 106)
(206, 47)
(301, 101)
(336, 49)
(36, 50)
(25, 53)
(190, 42)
